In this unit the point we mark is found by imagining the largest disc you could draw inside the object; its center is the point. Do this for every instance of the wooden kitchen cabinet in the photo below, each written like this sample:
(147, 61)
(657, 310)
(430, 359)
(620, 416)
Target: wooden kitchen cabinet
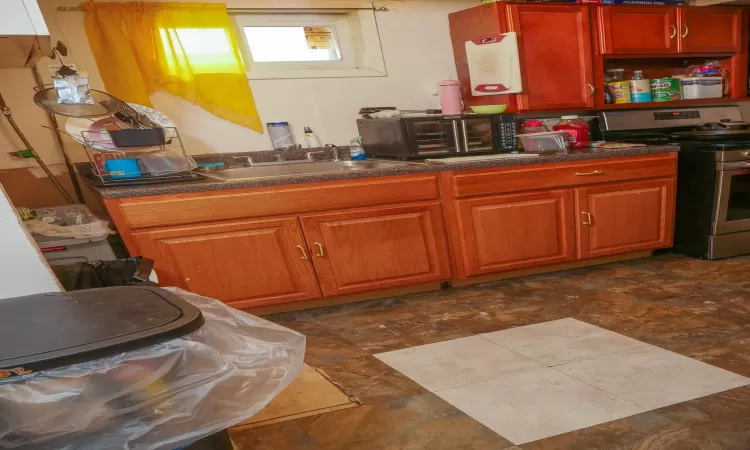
(710, 30)
(629, 29)
(377, 248)
(624, 217)
(555, 53)
(509, 232)
(243, 263)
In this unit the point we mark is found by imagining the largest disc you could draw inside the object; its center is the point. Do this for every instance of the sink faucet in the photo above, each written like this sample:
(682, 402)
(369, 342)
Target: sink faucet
(285, 153)
(334, 151)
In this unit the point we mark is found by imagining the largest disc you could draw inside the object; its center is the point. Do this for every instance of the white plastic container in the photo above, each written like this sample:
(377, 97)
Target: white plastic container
(547, 141)
(702, 87)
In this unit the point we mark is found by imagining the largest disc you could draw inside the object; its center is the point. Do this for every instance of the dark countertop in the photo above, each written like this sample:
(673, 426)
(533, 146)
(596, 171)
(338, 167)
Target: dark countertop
(209, 184)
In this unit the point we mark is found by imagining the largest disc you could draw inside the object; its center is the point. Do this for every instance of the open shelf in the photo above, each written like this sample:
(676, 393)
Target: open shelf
(673, 104)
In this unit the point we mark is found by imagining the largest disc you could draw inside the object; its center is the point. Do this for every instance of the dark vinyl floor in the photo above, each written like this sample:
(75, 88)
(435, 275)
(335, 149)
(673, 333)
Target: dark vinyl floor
(700, 309)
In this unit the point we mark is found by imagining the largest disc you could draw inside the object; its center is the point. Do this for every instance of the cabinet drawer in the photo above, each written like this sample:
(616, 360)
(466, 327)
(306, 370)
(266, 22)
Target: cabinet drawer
(214, 206)
(553, 175)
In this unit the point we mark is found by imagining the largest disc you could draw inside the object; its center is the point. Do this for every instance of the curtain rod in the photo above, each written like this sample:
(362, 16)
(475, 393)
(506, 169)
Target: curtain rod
(236, 10)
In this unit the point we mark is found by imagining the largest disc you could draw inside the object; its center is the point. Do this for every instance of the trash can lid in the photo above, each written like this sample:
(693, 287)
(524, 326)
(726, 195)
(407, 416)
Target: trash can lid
(46, 331)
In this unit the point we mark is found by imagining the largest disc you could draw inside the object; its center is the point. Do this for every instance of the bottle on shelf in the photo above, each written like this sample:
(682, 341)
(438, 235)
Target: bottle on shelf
(640, 88)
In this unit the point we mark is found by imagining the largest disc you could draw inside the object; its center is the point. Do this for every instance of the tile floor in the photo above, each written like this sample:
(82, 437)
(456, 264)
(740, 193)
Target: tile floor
(537, 381)
(697, 309)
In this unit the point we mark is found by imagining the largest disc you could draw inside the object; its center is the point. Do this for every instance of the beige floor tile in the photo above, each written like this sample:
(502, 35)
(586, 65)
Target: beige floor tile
(562, 341)
(651, 377)
(456, 362)
(532, 405)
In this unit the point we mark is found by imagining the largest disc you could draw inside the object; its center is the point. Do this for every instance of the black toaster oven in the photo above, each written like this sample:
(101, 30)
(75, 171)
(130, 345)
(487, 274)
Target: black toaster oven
(428, 136)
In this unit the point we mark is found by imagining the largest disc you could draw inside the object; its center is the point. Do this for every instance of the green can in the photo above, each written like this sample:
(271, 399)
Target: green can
(666, 89)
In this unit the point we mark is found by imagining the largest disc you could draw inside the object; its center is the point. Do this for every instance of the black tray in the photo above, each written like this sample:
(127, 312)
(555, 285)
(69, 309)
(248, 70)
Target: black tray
(46, 331)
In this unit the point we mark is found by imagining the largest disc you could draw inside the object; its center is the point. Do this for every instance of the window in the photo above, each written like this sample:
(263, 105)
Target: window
(311, 45)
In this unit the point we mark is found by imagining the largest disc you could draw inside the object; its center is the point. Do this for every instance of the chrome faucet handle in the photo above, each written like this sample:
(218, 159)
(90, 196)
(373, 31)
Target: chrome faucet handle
(334, 151)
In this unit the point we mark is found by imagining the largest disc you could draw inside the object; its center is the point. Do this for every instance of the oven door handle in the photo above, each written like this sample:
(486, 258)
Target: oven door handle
(739, 167)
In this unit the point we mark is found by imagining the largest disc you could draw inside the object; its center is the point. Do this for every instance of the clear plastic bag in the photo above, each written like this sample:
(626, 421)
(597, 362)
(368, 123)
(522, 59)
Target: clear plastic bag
(159, 397)
(69, 221)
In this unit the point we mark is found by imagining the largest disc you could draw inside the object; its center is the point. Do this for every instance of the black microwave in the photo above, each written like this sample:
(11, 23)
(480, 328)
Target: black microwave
(428, 136)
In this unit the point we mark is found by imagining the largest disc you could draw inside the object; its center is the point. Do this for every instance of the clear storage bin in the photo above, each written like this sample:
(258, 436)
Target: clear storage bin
(548, 141)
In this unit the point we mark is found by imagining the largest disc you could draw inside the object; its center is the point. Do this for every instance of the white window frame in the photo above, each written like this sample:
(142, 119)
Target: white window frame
(356, 35)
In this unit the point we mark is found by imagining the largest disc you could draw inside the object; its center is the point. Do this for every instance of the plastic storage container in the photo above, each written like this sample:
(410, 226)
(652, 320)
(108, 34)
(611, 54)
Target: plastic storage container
(578, 130)
(548, 141)
(705, 87)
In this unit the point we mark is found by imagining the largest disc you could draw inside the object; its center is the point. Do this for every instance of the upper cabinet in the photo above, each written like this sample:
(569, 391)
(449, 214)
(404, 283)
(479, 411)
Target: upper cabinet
(663, 30)
(637, 29)
(555, 51)
(706, 30)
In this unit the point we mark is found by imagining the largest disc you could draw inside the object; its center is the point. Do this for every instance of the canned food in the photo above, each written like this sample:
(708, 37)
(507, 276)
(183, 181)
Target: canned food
(665, 89)
(620, 91)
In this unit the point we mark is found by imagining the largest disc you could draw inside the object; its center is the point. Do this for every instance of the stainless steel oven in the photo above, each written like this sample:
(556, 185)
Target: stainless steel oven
(732, 204)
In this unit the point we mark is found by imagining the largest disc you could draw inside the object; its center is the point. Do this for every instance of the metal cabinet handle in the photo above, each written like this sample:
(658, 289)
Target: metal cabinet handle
(674, 31)
(592, 89)
(465, 135)
(321, 253)
(455, 136)
(587, 218)
(687, 31)
(593, 172)
(302, 252)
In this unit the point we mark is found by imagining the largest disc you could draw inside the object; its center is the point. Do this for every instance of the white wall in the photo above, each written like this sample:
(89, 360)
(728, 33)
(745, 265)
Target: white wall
(23, 270)
(416, 47)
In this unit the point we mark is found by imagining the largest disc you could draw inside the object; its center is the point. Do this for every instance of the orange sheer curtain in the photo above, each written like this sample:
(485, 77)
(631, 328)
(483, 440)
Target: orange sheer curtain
(187, 49)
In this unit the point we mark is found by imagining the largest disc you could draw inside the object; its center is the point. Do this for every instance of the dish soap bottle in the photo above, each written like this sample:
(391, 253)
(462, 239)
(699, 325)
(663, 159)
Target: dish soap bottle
(311, 138)
(356, 152)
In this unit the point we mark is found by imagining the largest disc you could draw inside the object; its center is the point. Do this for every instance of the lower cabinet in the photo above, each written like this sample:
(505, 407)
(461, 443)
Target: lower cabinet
(377, 248)
(509, 232)
(244, 264)
(625, 217)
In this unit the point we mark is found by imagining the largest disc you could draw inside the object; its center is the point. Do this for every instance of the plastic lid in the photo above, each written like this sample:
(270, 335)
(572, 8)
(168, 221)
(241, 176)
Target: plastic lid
(448, 83)
(569, 117)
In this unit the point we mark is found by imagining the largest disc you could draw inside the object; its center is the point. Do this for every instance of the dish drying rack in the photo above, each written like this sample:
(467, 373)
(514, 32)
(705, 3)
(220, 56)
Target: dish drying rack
(165, 161)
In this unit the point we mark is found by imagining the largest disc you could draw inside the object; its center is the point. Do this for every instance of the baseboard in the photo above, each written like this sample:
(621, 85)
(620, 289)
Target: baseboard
(341, 299)
(551, 268)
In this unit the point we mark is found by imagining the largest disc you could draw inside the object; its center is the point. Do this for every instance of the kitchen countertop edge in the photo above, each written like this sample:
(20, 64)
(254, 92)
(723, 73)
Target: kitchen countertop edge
(209, 184)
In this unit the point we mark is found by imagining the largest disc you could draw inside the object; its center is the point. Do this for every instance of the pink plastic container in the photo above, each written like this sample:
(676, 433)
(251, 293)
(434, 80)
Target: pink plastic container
(450, 97)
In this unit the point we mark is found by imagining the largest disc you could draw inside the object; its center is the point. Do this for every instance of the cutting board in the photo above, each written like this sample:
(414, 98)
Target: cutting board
(494, 67)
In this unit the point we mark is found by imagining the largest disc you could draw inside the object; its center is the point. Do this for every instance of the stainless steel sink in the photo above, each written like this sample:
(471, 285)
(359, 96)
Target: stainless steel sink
(301, 168)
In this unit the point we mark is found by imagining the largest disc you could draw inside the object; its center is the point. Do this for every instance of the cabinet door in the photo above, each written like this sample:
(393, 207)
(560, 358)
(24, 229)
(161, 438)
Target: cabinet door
(378, 248)
(637, 29)
(625, 217)
(244, 264)
(514, 231)
(704, 30)
(555, 53)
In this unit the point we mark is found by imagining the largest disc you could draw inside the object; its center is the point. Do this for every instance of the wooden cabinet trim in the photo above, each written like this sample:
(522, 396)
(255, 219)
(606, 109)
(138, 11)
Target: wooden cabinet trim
(583, 93)
(302, 283)
(431, 230)
(691, 43)
(472, 183)
(586, 244)
(606, 16)
(179, 209)
(474, 240)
